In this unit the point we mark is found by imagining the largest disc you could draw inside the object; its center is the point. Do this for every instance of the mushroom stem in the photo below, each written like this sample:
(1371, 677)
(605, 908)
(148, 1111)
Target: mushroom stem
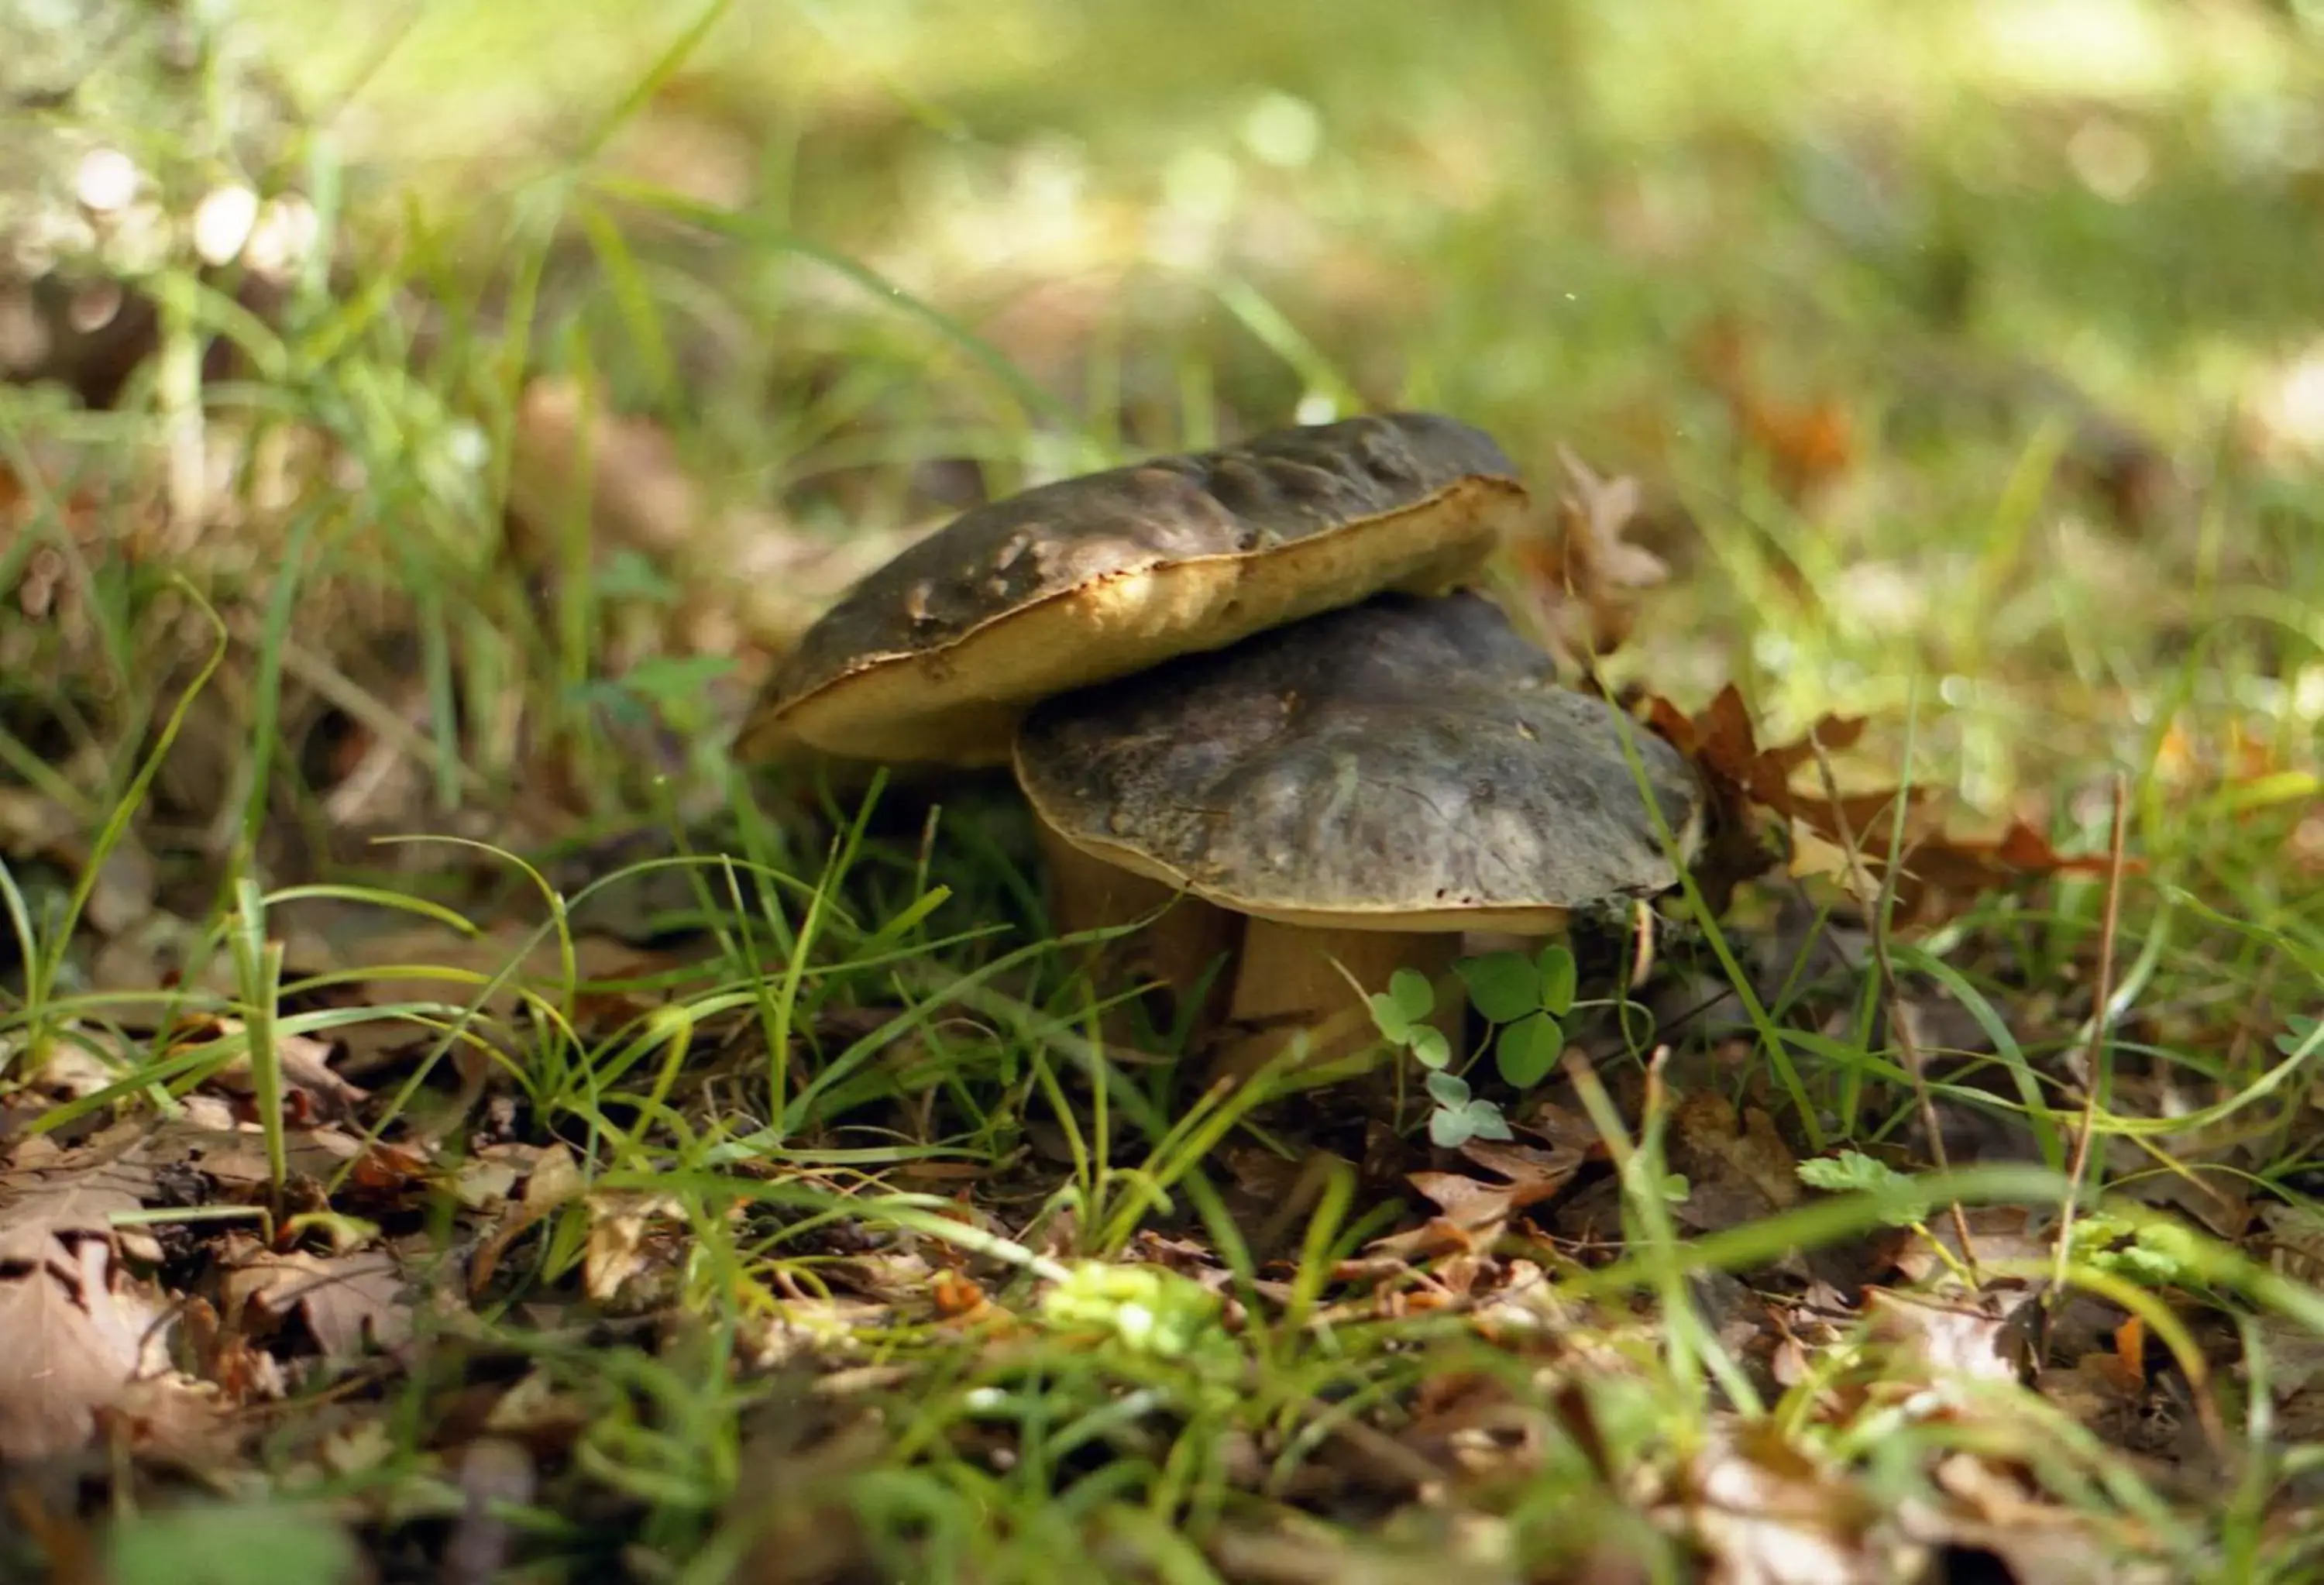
(1289, 981)
(1190, 935)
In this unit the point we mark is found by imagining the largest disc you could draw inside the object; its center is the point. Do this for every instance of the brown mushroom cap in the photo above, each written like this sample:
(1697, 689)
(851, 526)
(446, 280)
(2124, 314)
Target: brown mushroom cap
(1405, 765)
(937, 654)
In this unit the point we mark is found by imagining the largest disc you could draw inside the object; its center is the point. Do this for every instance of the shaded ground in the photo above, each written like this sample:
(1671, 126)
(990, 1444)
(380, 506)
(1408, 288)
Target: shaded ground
(669, 1171)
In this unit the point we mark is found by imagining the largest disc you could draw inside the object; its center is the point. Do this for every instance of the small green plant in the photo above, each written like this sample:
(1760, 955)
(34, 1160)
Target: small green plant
(2150, 1251)
(1142, 1310)
(1851, 1172)
(1527, 998)
(1402, 1012)
(1461, 1117)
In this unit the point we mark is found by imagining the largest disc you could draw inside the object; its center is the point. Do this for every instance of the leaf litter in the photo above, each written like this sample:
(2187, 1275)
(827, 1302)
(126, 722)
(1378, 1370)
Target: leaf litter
(92, 1266)
(169, 1371)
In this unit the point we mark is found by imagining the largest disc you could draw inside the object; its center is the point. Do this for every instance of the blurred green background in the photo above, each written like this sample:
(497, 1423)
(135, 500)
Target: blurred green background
(1972, 355)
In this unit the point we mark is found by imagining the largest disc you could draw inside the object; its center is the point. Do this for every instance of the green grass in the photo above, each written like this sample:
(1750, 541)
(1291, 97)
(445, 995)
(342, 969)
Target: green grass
(947, 1286)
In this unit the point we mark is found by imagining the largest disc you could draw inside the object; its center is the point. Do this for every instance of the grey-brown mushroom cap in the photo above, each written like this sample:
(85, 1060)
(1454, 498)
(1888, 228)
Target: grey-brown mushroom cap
(935, 655)
(1404, 764)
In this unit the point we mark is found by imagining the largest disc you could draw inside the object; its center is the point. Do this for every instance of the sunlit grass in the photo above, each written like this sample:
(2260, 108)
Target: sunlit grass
(1528, 219)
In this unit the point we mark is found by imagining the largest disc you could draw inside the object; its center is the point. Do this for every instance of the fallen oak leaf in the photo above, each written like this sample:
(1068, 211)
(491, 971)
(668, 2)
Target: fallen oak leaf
(637, 1241)
(1986, 1337)
(555, 1180)
(305, 1065)
(71, 1068)
(2002, 1236)
(345, 1300)
(2021, 850)
(1473, 1214)
(1813, 855)
(1585, 580)
(84, 1342)
(1722, 742)
(233, 1154)
(1740, 779)
(1599, 511)
(1766, 1514)
(76, 1197)
(1534, 1175)
(1939, 869)
(1853, 837)
(1992, 1512)
(1738, 1166)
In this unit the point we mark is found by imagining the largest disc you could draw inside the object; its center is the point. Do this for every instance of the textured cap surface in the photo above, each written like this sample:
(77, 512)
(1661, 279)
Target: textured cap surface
(1404, 764)
(935, 655)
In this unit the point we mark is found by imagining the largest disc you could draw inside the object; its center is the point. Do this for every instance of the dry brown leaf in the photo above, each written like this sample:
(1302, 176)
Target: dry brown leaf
(1765, 1515)
(345, 1300)
(72, 1068)
(1738, 1168)
(83, 1341)
(56, 1370)
(636, 1241)
(75, 1198)
(485, 1180)
(1585, 581)
(2002, 1235)
(1941, 871)
(2098, 1390)
(1534, 1175)
(304, 1062)
(1984, 1338)
(538, 1410)
(1473, 1212)
(1600, 512)
(554, 1179)
(234, 1153)
(898, 1276)
(1853, 837)
(1992, 1510)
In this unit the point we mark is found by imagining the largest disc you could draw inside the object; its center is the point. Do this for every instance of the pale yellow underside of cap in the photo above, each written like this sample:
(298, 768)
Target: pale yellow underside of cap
(960, 704)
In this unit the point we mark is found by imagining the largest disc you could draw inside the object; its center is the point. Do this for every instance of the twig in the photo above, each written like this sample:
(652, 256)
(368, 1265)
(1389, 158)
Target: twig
(1899, 1024)
(335, 687)
(2109, 920)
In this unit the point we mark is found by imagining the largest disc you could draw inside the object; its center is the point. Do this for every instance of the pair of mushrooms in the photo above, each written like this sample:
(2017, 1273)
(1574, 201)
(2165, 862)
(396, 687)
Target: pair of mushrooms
(1236, 683)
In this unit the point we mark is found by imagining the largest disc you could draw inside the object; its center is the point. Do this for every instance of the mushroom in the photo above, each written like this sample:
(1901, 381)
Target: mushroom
(936, 656)
(1362, 785)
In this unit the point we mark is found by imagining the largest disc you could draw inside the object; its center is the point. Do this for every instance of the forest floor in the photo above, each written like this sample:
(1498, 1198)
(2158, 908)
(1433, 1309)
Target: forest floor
(456, 1123)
